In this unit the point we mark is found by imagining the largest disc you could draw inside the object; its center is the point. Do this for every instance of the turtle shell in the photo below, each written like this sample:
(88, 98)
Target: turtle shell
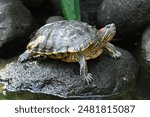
(62, 36)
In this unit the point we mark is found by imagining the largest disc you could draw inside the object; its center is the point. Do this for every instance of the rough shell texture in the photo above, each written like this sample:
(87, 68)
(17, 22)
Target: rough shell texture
(62, 36)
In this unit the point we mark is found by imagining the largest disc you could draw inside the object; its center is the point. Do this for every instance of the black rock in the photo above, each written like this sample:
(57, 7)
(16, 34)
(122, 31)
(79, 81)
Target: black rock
(54, 18)
(16, 24)
(40, 9)
(143, 57)
(112, 77)
(56, 7)
(32, 3)
(89, 10)
(145, 44)
(128, 15)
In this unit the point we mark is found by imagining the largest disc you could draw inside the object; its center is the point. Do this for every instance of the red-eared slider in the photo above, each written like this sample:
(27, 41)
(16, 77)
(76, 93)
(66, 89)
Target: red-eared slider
(71, 41)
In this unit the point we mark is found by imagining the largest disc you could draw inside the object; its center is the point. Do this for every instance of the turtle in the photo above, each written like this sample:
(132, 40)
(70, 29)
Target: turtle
(72, 41)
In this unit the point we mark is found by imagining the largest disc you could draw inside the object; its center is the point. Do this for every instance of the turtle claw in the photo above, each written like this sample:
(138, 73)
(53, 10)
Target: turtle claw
(21, 58)
(24, 57)
(88, 79)
(117, 55)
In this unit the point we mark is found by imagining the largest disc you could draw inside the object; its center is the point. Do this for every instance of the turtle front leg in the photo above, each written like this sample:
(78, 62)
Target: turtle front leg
(113, 52)
(25, 56)
(84, 70)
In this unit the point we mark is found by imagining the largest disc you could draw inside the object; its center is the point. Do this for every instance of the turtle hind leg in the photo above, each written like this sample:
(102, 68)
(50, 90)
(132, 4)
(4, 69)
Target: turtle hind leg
(113, 52)
(25, 56)
(87, 77)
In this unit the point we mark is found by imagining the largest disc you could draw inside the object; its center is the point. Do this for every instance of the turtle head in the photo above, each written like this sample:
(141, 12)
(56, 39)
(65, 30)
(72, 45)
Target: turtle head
(106, 33)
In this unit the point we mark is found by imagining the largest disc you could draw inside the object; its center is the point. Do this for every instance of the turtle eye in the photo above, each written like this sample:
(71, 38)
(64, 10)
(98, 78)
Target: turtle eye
(108, 26)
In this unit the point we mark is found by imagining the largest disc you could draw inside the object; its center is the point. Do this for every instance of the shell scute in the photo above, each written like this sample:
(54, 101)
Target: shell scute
(61, 37)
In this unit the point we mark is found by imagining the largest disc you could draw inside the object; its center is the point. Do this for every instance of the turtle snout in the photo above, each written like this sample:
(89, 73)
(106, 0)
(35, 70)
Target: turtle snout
(112, 27)
(112, 24)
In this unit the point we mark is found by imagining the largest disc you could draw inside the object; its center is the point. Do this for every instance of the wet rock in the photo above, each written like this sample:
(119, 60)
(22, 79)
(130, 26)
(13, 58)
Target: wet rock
(144, 54)
(129, 16)
(16, 24)
(54, 18)
(143, 57)
(145, 44)
(112, 77)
